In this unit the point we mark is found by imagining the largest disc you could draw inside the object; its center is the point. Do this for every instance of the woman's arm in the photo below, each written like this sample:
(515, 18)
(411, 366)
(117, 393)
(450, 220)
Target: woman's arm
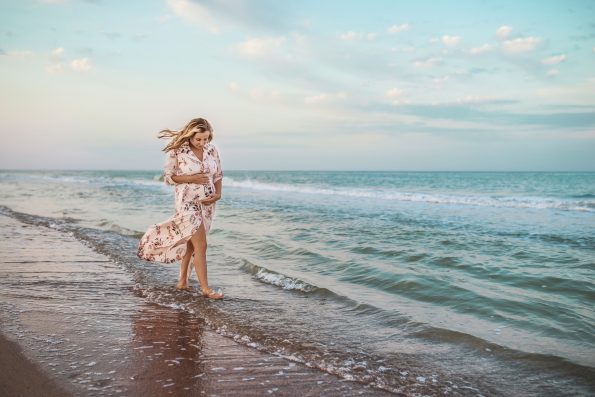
(217, 180)
(216, 196)
(195, 178)
(218, 187)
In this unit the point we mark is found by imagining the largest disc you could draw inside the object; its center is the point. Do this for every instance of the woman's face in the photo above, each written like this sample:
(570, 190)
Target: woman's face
(199, 139)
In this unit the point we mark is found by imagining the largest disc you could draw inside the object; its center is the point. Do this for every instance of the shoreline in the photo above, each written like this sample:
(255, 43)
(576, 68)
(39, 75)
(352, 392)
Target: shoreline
(19, 376)
(70, 320)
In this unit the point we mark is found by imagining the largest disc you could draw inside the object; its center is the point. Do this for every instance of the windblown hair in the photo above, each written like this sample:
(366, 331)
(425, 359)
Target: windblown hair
(179, 137)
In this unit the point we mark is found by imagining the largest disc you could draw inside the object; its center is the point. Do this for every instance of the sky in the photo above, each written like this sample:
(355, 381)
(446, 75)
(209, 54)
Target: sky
(300, 85)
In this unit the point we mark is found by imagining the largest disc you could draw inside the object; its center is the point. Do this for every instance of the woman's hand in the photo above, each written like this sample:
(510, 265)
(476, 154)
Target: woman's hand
(199, 178)
(211, 200)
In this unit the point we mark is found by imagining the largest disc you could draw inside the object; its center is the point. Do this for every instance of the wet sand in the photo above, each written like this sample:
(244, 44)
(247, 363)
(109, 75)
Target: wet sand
(71, 324)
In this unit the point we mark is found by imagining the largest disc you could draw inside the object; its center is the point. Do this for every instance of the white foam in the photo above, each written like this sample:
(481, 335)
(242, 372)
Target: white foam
(433, 198)
(282, 281)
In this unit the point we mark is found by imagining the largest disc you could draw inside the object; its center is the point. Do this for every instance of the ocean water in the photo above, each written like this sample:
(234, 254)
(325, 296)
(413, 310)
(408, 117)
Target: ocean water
(478, 283)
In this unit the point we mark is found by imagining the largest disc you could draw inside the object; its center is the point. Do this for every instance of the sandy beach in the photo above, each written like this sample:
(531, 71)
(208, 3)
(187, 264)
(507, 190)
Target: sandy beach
(64, 333)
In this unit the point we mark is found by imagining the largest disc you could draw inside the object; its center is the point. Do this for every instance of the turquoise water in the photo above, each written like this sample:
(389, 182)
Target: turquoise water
(479, 279)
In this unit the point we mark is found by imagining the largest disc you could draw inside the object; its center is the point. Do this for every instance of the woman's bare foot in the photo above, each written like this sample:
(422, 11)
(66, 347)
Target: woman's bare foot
(184, 287)
(210, 293)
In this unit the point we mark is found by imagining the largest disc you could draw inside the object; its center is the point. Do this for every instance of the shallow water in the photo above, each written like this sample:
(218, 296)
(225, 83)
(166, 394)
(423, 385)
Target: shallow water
(479, 280)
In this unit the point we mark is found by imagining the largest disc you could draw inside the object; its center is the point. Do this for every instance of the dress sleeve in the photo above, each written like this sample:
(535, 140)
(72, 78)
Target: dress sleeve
(219, 172)
(171, 167)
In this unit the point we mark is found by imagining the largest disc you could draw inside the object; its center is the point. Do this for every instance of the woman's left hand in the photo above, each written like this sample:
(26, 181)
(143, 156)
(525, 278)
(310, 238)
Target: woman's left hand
(211, 200)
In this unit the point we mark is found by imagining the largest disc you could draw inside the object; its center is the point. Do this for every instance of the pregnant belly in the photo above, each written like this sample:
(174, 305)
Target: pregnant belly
(199, 191)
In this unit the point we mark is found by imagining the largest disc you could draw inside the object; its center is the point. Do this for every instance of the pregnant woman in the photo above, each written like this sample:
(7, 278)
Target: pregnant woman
(194, 167)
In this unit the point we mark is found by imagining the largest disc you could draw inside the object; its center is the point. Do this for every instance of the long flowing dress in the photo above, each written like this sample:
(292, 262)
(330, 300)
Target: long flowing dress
(166, 242)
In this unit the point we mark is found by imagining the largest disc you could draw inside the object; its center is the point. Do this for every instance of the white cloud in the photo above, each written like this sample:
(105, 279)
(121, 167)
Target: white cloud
(503, 32)
(233, 86)
(552, 72)
(439, 81)
(480, 50)
(58, 52)
(393, 93)
(324, 98)
(396, 96)
(353, 36)
(349, 36)
(20, 55)
(403, 49)
(264, 94)
(554, 60)
(164, 18)
(474, 99)
(427, 63)
(451, 41)
(195, 13)
(54, 68)
(260, 47)
(400, 28)
(520, 45)
(81, 64)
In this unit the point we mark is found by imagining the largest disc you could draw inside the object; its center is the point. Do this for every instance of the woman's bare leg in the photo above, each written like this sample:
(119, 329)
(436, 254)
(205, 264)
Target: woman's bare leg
(199, 241)
(185, 269)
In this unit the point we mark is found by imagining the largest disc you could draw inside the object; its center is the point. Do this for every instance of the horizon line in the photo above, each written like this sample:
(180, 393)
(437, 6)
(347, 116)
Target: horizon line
(278, 170)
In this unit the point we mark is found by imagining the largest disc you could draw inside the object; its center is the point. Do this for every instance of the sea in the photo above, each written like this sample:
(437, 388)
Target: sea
(482, 283)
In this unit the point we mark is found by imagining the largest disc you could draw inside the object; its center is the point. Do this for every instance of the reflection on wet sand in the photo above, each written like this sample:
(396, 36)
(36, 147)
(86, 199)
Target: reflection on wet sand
(167, 348)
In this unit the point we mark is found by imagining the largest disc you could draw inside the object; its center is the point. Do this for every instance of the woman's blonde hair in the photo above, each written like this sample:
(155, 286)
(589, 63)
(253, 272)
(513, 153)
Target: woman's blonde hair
(179, 137)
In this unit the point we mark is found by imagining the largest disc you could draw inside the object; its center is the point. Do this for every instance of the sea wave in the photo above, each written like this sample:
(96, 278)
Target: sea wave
(271, 277)
(433, 198)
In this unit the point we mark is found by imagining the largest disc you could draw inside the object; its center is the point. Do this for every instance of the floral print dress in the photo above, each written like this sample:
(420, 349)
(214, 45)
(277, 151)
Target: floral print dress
(166, 242)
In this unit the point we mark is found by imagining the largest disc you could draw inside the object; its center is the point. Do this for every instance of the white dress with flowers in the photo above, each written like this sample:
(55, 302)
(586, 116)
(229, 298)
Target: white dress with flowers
(166, 242)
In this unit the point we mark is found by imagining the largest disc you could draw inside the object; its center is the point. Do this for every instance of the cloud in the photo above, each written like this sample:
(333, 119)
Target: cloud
(218, 15)
(164, 18)
(349, 36)
(552, 72)
(472, 109)
(258, 47)
(554, 60)
(503, 32)
(19, 54)
(264, 94)
(54, 68)
(405, 50)
(112, 35)
(324, 98)
(520, 45)
(140, 36)
(439, 81)
(427, 63)
(195, 13)
(396, 96)
(233, 86)
(481, 50)
(393, 93)
(451, 41)
(353, 36)
(400, 28)
(476, 100)
(81, 64)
